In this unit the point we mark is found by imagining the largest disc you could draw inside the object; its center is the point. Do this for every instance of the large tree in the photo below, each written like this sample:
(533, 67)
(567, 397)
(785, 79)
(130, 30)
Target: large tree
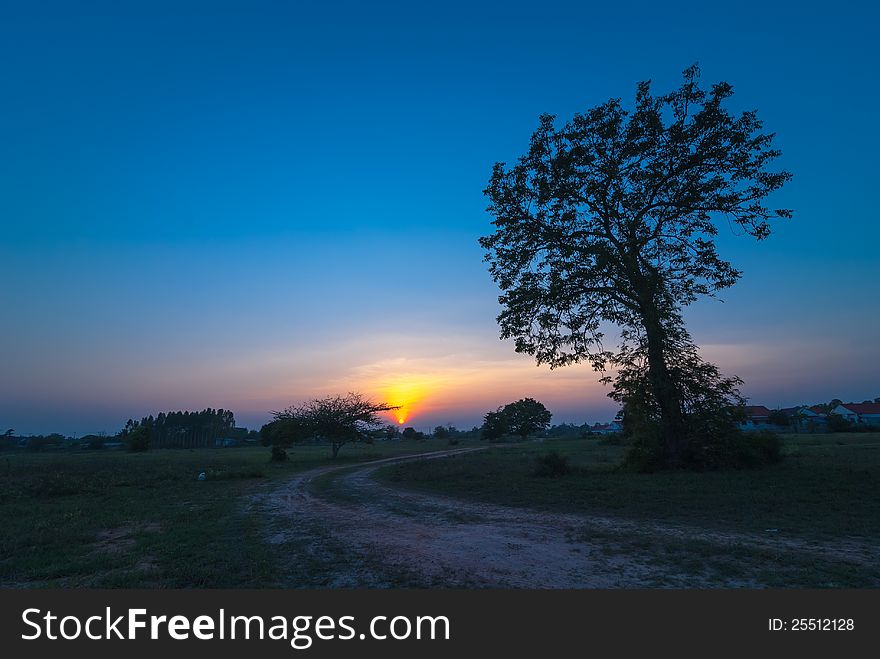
(612, 218)
(526, 417)
(523, 417)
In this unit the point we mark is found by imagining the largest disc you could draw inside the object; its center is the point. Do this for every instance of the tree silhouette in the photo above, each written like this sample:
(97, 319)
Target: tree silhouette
(612, 218)
(338, 419)
(524, 417)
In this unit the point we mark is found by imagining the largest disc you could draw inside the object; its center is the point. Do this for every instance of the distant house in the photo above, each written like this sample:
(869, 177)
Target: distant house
(810, 419)
(865, 414)
(606, 428)
(757, 418)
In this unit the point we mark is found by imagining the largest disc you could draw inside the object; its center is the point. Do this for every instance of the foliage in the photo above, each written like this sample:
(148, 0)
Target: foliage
(837, 423)
(568, 430)
(93, 442)
(551, 464)
(185, 429)
(278, 454)
(137, 440)
(283, 432)
(444, 432)
(779, 418)
(523, 417)
(40, 442)
(612, 218)
(711, 405)
(495, 425)
(337, 419)
(526, 417)
(411, 433)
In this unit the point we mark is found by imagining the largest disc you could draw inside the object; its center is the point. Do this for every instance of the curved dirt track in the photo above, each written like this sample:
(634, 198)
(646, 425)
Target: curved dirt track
(441, 541)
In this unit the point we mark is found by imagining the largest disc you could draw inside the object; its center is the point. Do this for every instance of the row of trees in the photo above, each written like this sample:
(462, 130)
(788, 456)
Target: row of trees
(340, 420)
(178, 429)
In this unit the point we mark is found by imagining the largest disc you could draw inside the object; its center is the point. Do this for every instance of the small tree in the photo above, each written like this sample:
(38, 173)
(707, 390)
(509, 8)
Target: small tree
(338, 419)
(411, 433)
(523, 417)
(280, 435)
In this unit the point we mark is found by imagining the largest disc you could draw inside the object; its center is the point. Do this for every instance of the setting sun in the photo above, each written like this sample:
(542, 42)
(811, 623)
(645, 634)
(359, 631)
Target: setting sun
(406, 396)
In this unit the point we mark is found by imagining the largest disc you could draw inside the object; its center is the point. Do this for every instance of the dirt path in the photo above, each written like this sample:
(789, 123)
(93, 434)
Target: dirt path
(456, 543)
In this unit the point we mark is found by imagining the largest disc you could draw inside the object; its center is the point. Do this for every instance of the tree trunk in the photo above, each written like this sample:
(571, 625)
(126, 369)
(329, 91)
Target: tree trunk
(335, 448)
(672, 430)
(647, 286)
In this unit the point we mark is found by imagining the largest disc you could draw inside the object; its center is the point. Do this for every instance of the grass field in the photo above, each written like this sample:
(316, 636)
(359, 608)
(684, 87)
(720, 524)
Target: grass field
(115, 519)
(812, 521)
(828, 486)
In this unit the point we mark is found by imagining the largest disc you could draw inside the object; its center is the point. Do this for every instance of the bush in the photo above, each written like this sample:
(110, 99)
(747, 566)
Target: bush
(94, 443)
(412, 433)
(138, 440)
(730, 449)
(278, 454)
(42, 442)
(756, 449)
(452, 441)
(836, 423)
(551, 465)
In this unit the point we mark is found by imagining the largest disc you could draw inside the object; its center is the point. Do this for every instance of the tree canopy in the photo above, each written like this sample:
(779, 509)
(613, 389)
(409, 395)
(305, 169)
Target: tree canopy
(523, 418)
(338, 419)
(182, 429)
(612, 218)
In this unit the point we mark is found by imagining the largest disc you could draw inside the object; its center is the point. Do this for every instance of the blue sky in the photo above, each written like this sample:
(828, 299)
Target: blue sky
(242, 204)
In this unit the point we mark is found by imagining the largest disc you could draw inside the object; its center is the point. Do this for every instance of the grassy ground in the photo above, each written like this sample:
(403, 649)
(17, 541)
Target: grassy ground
(827, 486)
(114, 519)
(824, 493)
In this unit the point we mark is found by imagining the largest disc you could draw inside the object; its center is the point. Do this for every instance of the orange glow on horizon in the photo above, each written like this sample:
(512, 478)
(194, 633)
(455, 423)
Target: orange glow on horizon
(407, 395)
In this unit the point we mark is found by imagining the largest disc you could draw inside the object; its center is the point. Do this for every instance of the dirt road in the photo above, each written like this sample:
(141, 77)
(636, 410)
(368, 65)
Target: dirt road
(437, 541)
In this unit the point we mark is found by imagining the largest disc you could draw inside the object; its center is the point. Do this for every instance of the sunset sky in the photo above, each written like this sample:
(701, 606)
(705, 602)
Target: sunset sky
(245, 204)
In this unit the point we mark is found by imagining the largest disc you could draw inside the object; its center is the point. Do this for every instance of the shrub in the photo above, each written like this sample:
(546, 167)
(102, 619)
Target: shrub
(94, 443)
(551, 465)
(836, 423)
(709, 447)
(756, 449)
(412, 433)
(138, 440)
(278, 454)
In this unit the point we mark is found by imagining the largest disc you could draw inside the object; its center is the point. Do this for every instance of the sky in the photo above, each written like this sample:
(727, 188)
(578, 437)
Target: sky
(249, 204)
